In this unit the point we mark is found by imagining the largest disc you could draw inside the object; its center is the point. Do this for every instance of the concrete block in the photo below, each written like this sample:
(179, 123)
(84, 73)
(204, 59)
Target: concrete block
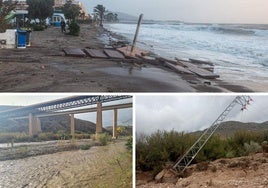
(8, 39)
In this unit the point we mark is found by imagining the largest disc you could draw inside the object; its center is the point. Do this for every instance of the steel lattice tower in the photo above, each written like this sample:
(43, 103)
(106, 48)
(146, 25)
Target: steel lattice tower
(184, 161)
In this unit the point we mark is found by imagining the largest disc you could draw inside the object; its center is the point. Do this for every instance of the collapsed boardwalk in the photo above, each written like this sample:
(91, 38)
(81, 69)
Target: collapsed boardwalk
(44, 67)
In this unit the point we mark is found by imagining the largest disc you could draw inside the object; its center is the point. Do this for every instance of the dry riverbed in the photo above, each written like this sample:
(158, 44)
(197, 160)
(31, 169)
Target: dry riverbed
(100, 166)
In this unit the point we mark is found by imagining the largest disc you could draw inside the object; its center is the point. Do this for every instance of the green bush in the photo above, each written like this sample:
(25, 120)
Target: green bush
(82, 136)
(85, 147)
(74, 28)
(38, 27)
(215, 148)
(103, 139)
(252, 147)
(154, 151)
(47, 136)
(16, 137)
(129, 143)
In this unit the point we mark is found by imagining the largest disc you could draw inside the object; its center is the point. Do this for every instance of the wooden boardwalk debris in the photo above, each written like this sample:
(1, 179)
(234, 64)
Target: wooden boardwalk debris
(200, 72)
(114, 54)
(178, 68)
(75, 52)
(200, 62)
(136, 52)
(96, 53)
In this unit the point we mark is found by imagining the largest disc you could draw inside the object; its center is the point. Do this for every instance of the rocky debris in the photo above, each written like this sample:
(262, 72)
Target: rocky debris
(246, 172)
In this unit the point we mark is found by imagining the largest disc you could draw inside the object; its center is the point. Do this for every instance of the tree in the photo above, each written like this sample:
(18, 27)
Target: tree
(100, 10)
(70, 10)
(40, 9)
(5, 9)
(111, 17)
(116, 17)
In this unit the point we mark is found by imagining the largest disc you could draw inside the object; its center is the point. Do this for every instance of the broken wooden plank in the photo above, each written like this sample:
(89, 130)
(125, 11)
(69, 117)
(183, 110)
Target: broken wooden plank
(178, 68)
(75, 52)
(200, 62)
(96, 53)
(136, 52)
(113, 54)
(198, 71)
(151, 60)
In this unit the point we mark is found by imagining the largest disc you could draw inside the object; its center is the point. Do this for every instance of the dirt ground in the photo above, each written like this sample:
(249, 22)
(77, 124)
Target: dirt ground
(101, 166)
(43, 67)
(243, 172)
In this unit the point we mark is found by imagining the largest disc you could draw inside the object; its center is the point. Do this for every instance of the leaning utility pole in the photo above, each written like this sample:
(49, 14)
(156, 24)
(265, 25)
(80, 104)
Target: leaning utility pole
(136, 33)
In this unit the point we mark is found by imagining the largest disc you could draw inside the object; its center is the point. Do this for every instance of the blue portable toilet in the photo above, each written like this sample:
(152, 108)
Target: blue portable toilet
(21, 38)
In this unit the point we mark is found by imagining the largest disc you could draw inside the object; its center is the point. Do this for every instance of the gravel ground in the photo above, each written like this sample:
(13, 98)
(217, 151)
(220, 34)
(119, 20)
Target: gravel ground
(101, 166)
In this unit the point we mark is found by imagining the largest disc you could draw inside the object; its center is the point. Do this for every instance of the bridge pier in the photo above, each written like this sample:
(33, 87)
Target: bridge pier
(115, 125)
(72, 126)
(99, 118)
(34, 125)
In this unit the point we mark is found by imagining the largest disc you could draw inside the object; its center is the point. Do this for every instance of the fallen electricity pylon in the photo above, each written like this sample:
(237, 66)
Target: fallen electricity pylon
(184, 161)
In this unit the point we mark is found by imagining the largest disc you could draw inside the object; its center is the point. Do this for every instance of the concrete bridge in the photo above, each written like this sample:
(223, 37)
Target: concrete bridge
(70, 105)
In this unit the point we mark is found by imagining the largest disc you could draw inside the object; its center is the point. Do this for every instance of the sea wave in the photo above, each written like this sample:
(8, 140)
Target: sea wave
(243, 47)
(216, 28)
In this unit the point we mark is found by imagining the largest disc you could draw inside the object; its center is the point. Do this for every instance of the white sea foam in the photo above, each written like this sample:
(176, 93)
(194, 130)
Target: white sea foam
(235, 49)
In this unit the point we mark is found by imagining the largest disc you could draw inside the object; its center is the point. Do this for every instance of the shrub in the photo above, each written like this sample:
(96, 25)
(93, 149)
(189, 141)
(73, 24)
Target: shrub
(47, 136)
(85, 147)
(74, 28)
(264, 146)
(23, 151)
(38, 27)
(103, 139)
(161, 147)
(252, 147)
(129, 143)
(215, 148)
(82, 136)
(63, 135)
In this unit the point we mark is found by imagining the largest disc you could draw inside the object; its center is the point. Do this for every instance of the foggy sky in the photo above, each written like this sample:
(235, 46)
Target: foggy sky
(192, 113)
(124, 115)
(199, 11)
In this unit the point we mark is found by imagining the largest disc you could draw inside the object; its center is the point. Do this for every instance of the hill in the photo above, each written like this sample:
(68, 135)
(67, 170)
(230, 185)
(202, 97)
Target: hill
(7, 107)
(126, 17)
(227, 129)
(49, 124)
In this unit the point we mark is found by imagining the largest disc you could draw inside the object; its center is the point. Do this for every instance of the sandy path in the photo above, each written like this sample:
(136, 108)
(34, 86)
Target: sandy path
(44, 67)
(96, 167)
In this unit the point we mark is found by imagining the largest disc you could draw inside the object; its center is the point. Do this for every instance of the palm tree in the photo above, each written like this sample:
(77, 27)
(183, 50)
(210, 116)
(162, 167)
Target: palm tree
(100, 10)
(6, 8)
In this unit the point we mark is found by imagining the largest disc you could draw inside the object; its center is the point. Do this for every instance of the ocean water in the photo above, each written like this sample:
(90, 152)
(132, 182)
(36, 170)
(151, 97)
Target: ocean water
(237, 50)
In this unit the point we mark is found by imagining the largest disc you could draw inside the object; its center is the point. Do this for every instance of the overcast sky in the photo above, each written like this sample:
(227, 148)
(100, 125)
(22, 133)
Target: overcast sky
(191, 113)
(124, 115)
(208, 11)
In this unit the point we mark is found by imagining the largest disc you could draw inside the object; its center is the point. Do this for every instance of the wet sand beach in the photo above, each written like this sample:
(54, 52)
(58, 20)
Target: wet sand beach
(44, 67)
